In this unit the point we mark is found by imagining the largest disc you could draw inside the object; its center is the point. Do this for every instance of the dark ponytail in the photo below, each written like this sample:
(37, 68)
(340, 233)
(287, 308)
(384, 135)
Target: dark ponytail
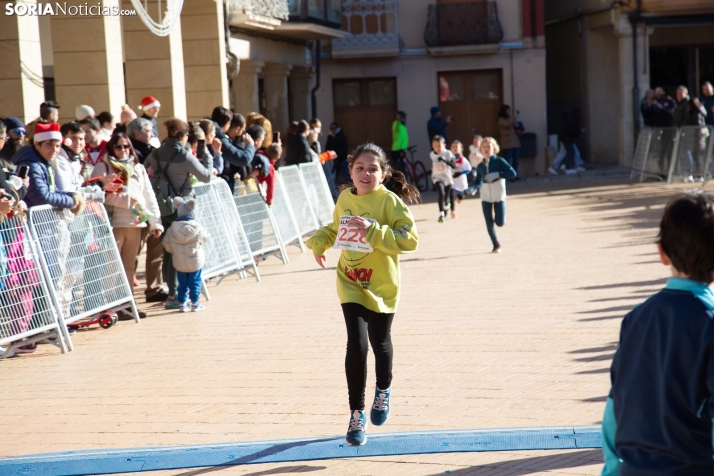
(394, 180)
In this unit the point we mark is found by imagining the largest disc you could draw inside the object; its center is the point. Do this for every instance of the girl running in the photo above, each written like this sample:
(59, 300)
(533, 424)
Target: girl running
(491, 175)
(372, 226)
(462, 168)
(442, 170)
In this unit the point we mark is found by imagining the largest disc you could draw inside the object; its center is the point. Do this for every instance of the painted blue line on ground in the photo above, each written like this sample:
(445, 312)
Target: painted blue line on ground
(76, 463)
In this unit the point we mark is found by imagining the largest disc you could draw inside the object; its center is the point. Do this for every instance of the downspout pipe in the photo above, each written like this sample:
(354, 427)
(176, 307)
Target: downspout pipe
(635, 19)
(313, 92)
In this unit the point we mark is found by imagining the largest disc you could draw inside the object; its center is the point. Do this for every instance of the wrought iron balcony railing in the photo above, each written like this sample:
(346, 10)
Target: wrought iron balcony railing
(459, 24)
(324, 12)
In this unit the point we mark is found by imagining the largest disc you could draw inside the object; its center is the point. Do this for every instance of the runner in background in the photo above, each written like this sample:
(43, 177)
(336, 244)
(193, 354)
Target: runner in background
(462, 170)
(442, 173)
(372, 226)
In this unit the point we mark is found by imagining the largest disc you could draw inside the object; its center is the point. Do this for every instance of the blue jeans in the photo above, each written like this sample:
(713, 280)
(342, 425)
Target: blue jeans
(513, 156)
(329, 169)
(500, 219)
(189, 283)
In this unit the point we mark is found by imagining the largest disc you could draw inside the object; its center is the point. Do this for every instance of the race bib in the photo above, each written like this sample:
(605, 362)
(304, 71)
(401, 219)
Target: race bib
(349, 239)
(440, 167)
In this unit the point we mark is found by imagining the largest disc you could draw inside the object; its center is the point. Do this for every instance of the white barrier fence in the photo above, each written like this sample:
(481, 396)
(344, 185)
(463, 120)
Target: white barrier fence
(57, 269)
(665, 153)
(259, 224)
(26, 311)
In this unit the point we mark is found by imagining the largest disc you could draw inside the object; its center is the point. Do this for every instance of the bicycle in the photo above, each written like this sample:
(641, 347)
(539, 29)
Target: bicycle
(414, 171)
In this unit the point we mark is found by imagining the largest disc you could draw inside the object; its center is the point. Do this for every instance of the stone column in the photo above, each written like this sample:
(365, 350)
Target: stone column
(244, 87)
(88, 65)
(275, 82)
(627, 134)
(21, 83)
(300, 89)
(154, 67)
(204, 56)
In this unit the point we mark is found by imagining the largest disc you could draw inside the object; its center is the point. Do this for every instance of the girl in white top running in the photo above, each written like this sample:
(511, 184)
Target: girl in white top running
(442, 173)
(462, 168)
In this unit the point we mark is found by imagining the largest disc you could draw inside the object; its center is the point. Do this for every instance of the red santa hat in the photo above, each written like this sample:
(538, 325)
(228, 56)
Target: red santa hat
(148, 102)
(45, 132)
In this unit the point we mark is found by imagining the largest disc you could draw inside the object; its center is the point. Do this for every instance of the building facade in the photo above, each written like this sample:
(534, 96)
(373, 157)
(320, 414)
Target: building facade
(467, 57)
(597, 67)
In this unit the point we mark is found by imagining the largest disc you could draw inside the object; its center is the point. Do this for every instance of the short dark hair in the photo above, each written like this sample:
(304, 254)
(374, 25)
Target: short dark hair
(208, 126)
(47, 108)
(255, 131)
(303, 127)
(91, 122)
(71, 126)
(221, 115)
(438, 138)
(104, 117)
(686, 234)
(237, 121)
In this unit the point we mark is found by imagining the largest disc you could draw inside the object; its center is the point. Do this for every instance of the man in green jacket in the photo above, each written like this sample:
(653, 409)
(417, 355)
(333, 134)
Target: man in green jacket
(400, 139)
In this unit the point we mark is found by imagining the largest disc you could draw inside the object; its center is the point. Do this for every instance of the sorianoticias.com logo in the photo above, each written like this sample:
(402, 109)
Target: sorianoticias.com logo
(36, 9)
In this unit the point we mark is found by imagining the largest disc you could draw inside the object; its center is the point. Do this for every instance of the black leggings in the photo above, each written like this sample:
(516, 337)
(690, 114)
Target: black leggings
(444, 196)
(361, 323)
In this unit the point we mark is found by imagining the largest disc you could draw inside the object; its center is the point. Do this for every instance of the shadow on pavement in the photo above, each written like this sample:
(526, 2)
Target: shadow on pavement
(537, 464)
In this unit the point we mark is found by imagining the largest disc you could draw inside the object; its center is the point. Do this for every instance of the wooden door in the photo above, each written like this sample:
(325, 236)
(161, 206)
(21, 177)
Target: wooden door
(473, 98)
(365, 109)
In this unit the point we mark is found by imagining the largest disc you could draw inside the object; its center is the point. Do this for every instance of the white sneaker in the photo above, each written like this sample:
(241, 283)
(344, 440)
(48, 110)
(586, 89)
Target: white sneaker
(689, 179)
(571, 171)
(699, 179)
(552, 171)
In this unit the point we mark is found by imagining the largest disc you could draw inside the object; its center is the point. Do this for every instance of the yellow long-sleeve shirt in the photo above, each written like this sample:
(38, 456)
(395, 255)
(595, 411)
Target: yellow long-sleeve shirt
(371, 279)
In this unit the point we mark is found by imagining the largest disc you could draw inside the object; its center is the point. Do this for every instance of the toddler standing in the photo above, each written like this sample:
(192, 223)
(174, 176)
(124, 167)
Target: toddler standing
(184, 240)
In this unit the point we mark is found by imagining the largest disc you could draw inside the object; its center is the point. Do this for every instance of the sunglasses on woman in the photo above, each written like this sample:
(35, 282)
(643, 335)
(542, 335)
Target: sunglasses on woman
(122, 147)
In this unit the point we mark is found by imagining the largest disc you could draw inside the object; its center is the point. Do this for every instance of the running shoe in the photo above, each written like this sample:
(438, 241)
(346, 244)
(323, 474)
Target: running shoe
(441, 218)
(380, 408)
(197, 307)
(171, 303)
(183, 307)
(496, 248)
(356, 433)
(552, 171)
(453, 214)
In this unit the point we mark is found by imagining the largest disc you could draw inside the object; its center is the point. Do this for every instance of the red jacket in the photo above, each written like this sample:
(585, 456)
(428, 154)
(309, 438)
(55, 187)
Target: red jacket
(269, 182)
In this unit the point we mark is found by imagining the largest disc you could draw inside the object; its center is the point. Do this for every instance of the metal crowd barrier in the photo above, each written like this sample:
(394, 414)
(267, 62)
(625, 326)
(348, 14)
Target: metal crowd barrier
(692, 153)
(298, 197)
(318, 191)
(26, 311)
(81, 262)
(284, 216)
(227, 251)
(258, 220)
(664, 153)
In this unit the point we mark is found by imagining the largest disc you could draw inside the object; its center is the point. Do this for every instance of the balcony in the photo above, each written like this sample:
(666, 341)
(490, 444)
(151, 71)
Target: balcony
(373, 29)
(463, 28)
(257, 14)
(313, 20)
(295, 19)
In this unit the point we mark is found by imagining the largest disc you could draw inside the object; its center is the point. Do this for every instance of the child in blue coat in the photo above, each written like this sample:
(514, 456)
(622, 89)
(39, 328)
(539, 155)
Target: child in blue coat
(491, 176)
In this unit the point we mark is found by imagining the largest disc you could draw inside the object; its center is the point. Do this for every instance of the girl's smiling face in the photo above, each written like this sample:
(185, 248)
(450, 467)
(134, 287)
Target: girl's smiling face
(366, 173)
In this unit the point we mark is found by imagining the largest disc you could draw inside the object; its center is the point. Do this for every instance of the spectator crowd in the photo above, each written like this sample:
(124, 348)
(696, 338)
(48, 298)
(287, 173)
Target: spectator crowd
(146, 185)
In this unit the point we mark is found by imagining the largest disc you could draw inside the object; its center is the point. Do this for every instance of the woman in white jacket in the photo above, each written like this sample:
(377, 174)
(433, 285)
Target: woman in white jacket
(129, 208)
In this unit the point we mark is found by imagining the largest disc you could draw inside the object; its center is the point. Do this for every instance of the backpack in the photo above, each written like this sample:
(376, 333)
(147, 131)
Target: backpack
(163, 190)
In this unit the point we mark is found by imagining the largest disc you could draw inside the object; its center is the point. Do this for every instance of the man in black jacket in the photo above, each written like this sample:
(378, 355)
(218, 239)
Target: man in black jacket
(233, 155)
(15, 132)
(140, 132)
(337, 141)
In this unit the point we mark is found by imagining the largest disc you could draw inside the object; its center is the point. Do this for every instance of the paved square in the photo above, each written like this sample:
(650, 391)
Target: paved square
(523, 338)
